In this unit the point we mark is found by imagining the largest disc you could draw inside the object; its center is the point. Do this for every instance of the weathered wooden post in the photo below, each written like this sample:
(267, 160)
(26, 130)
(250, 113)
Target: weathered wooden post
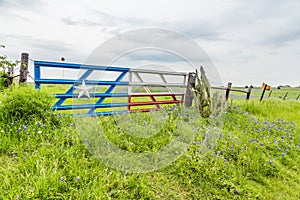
(298, 97)
(188, 99)
(23, 68)
(10, 76)
(263, 92)
(285, 96)
(228, 90)
(248, 93)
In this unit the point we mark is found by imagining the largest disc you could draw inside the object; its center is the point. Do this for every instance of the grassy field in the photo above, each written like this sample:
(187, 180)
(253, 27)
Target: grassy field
(254, 156)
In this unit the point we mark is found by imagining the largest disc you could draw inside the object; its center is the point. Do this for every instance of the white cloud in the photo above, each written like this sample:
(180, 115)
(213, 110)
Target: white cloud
(243, 38)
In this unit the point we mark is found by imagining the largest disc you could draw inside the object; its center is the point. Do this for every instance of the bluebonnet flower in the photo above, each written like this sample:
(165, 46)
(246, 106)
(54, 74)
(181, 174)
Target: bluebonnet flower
(225, 160)
(270, 162)
(196, 143)
(19, 130)
(24, 127)
(286, 150)
(237, 191)
(39, 125)
(62, 179)
(78, 178)
(11, 125)
(282, 154)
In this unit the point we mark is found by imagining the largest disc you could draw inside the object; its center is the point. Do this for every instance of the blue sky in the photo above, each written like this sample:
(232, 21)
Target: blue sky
(249, 42)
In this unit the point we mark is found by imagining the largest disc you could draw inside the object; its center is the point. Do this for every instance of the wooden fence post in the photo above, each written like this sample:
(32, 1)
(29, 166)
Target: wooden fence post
(10, 76)
(285, 96)
(228, 90)
(188, 99)
(270, 93)
(248, 93)
(298, 97)
(263, 92)
(23, 68)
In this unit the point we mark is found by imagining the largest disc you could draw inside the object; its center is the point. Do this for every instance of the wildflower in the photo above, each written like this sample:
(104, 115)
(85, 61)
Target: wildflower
(286, 150)
(19, 130)
(279, 149)
(237, 191)
(62, 179)
(225, 160)
(78, 178)
(39, 132)
(270, 162)
(85, 141)
(282, 154)
(24, 127)
(11, 125)
(39, 125)
(196, 143)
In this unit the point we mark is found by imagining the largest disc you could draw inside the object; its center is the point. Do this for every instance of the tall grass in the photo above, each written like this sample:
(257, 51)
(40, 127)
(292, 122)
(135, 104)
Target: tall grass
(254, 156)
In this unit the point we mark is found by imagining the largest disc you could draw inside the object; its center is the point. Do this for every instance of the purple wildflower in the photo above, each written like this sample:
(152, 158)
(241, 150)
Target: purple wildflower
(78, 178)
(24, 127)
(270, 162)
(62, 179)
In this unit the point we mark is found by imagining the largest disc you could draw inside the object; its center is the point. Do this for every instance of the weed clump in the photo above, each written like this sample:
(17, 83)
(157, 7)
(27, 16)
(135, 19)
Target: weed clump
(25, 104)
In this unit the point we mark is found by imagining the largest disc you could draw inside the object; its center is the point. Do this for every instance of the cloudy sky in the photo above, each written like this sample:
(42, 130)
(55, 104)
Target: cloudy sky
(249, 42)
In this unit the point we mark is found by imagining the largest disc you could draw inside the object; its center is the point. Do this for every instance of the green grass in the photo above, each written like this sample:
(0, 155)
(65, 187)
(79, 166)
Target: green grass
(254, 156)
